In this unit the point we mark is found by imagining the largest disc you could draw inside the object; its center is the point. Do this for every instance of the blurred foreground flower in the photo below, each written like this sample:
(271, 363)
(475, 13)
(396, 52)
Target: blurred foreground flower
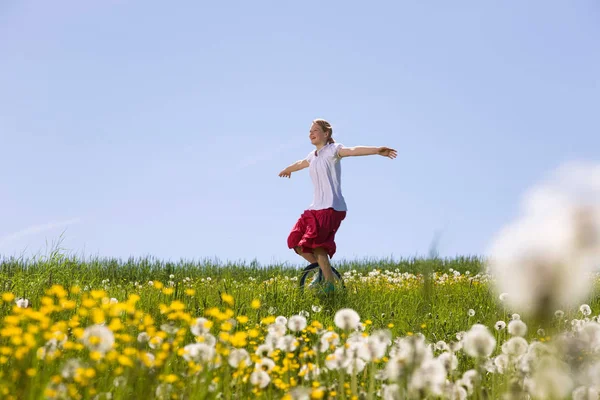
(543, 261)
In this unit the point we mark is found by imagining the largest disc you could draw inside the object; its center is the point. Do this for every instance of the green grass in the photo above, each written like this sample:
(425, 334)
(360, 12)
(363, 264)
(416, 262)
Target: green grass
(419, 302)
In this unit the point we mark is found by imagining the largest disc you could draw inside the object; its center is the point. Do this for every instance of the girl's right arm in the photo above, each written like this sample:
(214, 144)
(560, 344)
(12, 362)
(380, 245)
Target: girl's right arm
(297, 166)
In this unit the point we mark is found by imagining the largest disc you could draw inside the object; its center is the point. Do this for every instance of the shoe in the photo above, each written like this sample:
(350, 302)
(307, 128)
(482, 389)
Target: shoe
(317, 280)
(328, 287)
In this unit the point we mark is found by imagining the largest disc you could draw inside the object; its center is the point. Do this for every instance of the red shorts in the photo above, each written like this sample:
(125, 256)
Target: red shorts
(316, 228)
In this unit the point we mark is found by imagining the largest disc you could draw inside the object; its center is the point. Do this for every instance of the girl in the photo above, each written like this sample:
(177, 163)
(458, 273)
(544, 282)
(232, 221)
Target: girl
(313, 236)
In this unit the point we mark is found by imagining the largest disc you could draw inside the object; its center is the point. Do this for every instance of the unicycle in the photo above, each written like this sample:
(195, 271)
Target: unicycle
(313, 274)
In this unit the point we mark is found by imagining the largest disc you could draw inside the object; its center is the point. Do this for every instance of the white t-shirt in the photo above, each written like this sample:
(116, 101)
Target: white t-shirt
(326, 174)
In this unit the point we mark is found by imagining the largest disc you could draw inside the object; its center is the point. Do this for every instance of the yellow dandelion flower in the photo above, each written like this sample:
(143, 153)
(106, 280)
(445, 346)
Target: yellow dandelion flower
(125, 361)
(226, 326)
(168, 291)
(242, 319)
(255, 304)
(158, 285)
(8, 297)
(31, 372)
(317, 393)
(190, 292)
(227, 298)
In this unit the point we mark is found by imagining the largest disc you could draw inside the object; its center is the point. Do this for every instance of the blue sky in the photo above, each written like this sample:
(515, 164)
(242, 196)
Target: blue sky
(148, 128)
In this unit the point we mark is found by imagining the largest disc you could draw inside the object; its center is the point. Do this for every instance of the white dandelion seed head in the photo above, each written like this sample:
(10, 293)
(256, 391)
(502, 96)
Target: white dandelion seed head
(471, 312)
(281, 320)
(200, 327)
(328, 339)
(449, 361)
(545, 257)
(337, 360)
(263, 350)
(559, 314)
(265, 364)
(347, 319)
(501, 362)
(143, 337)
(585, 310)
(287, 343)
(516, 327)
(304, 314)
(442, 346)
(585, 393)
(297, 323)
(22, 303)
(239, 358)
(500, 325)
(515, 346)
(199, 353)
(98, 338)
(515, 317)
(541, 332)
(316, 309)
(478, 341)
(551, 379)
(429, 377)
(503, 297)
(277, 330)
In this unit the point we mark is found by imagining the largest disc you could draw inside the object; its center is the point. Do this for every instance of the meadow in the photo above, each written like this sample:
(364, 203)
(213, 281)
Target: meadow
(411, 328)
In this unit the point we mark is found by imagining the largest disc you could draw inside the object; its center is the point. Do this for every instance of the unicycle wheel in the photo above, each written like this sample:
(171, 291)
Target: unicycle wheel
(313, 272)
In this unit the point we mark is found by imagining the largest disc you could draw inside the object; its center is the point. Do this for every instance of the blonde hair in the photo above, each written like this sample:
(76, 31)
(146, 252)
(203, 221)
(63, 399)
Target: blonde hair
(326, 126)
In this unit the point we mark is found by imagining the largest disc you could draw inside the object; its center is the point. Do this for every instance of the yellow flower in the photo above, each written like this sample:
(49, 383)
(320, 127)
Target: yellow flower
(227, 298)
(125, 361)
(75, 289)
(317, 394)
(190, 292)
(255, 304)
(242, 319)
(171, 378)
(8, 297)
(168, 291)
(31, 372)
(158, 285)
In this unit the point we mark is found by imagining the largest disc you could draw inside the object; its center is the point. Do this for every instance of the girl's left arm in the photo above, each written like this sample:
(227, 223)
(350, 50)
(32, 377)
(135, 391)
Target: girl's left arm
(367, 151)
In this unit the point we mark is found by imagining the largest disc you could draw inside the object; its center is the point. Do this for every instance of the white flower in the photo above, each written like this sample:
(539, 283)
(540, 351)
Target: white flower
(516, 327)
(429, 377)
(471, 312)
(515, 346)
(98, 338)
(287, 343)
(239, 358)
(478, 341)
(143, 337)
(545, 257)
(328, 339)
(585, 310)
(281, 320)
(585, 393)
(550, 380)
(200, 326)
(500, 325)
(501, 363)
(199, 352)
(263, 350)
(22, 303)
(449, 361)
(297, 323)
(337, 360)
(277, 330)
(265, 364)
(347, 319)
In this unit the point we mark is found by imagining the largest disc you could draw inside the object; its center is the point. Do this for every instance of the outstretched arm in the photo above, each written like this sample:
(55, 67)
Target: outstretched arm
(367, 151)
(297, 166)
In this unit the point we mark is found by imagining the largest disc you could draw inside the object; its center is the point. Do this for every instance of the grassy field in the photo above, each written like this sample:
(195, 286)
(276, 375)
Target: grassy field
(143, 328)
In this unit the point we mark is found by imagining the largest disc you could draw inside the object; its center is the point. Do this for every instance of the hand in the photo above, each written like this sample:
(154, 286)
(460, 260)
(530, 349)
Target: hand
(285, 174)
(387, 152)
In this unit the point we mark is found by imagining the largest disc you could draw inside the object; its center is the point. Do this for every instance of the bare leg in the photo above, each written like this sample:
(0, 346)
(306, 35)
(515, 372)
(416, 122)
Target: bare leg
(310, 257)
(323, 260)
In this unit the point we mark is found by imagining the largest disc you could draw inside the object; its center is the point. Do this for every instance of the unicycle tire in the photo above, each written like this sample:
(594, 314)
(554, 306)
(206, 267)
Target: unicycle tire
(309, 273)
